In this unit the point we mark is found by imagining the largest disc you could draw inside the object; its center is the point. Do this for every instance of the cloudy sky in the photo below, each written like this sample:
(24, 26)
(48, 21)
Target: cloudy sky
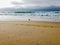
(28, 3)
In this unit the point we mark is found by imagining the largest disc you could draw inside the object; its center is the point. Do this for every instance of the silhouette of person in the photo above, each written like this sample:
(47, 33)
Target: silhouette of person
(28, 19)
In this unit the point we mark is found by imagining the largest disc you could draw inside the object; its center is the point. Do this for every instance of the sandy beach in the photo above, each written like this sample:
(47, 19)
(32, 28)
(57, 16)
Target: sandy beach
(29, 33)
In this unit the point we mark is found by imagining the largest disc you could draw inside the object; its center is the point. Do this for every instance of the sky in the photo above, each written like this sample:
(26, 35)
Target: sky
(28, 3)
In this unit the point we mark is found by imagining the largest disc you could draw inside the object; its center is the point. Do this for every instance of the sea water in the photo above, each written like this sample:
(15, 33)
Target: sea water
(52, 16)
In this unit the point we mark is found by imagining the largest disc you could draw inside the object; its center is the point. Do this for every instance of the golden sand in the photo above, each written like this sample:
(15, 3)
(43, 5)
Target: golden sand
(29, 33)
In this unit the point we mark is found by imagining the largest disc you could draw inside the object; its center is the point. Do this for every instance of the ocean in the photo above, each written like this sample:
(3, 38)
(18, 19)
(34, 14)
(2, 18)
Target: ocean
(50, 16)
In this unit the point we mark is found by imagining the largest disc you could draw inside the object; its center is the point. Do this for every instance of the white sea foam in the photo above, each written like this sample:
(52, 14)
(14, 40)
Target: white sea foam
(41, 16)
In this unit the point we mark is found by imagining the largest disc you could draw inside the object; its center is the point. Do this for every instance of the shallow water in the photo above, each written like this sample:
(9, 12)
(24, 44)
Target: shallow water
(53, 16)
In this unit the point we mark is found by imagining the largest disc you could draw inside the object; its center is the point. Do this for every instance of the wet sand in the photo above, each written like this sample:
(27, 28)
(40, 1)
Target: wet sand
(29, 33)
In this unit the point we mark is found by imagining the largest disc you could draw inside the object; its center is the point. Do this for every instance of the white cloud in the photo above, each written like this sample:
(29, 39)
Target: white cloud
(38, 3)
(7, 3)
(43, 2)
(29, 3)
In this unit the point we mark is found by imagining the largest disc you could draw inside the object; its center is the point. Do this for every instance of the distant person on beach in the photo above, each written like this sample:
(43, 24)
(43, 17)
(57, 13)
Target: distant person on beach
(28, 19)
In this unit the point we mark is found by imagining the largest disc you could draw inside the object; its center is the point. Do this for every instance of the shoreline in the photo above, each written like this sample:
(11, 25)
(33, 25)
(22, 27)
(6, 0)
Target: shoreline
(30, 18)
(34, 21)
